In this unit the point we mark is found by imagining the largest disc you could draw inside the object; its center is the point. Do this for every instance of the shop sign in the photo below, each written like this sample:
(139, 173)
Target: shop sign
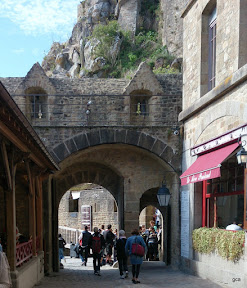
(219, 141)
(206, 175)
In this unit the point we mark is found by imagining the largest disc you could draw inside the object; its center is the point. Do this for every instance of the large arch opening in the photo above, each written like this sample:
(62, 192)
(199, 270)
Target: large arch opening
(127, 172)
(88, 205)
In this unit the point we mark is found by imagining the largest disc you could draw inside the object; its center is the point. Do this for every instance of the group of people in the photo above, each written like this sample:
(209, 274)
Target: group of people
(102, 242)
(152, 238)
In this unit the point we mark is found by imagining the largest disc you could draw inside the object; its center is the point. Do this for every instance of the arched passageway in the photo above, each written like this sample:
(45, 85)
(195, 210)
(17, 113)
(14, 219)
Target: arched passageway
(127, 172)
(149, 217)
(86, 204)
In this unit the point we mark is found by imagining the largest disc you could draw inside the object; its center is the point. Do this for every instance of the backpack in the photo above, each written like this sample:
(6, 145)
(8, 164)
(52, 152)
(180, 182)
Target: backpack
(96, 243)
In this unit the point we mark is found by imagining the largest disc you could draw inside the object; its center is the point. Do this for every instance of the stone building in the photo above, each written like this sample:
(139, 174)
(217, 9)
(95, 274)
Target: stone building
(119, 134)
(102, 207)
(214, 118)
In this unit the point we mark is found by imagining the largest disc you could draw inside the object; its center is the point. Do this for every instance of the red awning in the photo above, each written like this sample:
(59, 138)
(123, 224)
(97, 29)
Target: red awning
(207, 166)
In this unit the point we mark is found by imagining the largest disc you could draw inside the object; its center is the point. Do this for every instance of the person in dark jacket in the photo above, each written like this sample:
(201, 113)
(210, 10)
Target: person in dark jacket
(152, 242)
(121, 255)
(109, 240)
(61, 244)
(96, 243)
(83, 248)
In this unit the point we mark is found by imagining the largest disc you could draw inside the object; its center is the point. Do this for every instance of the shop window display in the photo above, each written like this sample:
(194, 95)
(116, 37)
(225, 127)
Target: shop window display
(223, 198)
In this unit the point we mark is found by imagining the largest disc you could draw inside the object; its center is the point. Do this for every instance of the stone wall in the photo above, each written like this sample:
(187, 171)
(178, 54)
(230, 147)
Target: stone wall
(102, 203)
(209, 115)
(195, 46)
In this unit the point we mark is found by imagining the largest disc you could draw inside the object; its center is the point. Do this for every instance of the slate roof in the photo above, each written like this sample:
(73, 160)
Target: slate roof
(11, 83)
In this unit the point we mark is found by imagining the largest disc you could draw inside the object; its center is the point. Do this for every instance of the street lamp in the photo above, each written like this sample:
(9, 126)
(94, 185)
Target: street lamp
(242, 154)
(163, 195)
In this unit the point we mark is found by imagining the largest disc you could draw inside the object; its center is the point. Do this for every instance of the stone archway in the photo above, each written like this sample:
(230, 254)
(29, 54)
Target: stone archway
(102, 136)
(127, 163)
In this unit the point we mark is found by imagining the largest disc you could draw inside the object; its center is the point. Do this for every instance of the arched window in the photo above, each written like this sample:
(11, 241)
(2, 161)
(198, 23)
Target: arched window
(139, 104)
(36, 103)
(212, 49)
(208, 47)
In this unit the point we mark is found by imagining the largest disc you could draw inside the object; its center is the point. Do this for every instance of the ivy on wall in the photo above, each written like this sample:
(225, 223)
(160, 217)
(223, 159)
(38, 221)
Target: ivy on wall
(228, 244)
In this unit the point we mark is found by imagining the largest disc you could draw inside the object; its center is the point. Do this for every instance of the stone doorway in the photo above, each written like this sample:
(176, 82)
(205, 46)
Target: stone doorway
(151, 213)
(129, 173)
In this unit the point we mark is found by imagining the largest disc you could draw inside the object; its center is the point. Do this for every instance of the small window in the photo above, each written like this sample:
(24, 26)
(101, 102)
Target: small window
(37, 107)
(212, 50)
(115, 206)
(73, 205)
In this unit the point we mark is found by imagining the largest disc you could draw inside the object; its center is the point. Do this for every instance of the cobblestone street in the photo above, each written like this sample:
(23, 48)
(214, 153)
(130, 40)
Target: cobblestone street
(153, 274)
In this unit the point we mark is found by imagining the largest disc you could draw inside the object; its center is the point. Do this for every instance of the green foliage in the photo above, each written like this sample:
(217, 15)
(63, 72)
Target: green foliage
(165, 70)
(145, 46)
(106, 35)
(149, 5)
(228, 244)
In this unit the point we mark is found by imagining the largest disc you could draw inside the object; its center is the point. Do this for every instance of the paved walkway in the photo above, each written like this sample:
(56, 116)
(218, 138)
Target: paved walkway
(153, 274)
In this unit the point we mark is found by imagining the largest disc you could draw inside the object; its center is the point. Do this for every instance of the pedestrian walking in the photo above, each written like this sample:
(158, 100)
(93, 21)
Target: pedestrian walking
(109, 240)
(83, 248)
(121, 255)
(135, 260)
(61, 243)
(96, 243)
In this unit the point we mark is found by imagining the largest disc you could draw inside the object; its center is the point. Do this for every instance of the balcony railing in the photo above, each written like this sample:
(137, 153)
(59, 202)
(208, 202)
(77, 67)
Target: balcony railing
(24, 252)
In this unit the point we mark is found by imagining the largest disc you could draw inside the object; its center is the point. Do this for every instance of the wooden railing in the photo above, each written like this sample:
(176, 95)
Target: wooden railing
(24, 252)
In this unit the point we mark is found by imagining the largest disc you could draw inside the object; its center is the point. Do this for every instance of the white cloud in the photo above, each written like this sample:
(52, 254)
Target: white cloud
(41, 16)
(18, 51)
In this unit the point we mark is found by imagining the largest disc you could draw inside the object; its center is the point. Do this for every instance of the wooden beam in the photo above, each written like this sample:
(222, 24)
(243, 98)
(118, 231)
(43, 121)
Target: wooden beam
(39, 210)
(11, 220)
(6, 164)
(32, 206)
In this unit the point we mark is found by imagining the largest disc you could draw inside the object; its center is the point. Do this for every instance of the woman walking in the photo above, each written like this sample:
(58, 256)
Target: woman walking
(135, 260)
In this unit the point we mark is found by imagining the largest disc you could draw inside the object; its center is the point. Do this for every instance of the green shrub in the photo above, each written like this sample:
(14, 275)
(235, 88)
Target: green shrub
(228, 244)
(134, 50)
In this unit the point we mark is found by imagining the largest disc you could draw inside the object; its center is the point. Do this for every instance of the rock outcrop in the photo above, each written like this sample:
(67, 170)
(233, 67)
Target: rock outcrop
(77, 57)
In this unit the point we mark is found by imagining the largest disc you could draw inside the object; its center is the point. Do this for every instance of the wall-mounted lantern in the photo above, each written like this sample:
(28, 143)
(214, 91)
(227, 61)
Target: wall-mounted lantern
(163, 195)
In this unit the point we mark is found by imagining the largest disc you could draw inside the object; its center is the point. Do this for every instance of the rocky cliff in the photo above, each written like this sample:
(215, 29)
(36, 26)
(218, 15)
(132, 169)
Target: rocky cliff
(112, 37)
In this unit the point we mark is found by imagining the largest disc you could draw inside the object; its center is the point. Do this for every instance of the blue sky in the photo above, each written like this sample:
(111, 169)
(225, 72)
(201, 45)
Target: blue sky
(27, 30)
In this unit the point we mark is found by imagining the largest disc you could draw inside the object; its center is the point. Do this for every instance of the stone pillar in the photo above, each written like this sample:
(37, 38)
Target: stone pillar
(131, 207)
(120, 203)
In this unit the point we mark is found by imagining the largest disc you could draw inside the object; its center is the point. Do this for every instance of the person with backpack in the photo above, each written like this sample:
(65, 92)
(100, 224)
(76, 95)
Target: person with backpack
(109, 240)
(121, 255)
(135, 259)
(96, 243)
(83, 248)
